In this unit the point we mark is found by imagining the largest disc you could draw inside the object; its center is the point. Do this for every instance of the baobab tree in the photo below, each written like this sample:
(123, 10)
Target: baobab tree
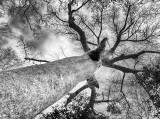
(131, 26)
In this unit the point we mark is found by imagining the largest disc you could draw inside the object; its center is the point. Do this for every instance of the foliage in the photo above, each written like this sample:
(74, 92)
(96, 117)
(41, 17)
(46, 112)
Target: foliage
(150, 80)
(8, 58)
(131, 26)
(75, 110)
(113, 108)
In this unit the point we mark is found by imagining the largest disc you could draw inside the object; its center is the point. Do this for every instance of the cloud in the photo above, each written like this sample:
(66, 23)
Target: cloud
(58, 45)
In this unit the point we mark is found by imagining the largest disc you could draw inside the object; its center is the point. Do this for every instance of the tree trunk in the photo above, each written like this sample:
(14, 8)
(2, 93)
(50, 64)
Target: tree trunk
(27, 91)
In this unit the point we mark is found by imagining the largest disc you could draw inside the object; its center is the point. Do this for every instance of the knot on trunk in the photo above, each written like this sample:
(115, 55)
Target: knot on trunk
(96, 54)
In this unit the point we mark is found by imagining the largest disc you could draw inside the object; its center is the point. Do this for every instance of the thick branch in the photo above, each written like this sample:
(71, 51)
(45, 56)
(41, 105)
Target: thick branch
(133, 56)
(73, 95)
(75, 27)
(118, 67)
(110, 64)
(92, 98)
(124, 69)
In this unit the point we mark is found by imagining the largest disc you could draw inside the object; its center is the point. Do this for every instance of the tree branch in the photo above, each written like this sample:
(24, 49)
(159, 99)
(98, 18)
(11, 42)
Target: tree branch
(90, 29)
(89, 42)
(74, 94)
(115, 25)
(121, 68)
(125, 23)
(92, 99)
(101, 26)
(114, 100)
(133, 56)
(58, 17)
(75, 27)
(91, 83)
(81, 6)
(119, 35)
(37, 60)
(110, 63)
(35, 9)
(121, 90)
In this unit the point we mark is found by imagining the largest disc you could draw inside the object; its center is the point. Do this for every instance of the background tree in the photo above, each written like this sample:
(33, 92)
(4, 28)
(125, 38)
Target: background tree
(132, 27)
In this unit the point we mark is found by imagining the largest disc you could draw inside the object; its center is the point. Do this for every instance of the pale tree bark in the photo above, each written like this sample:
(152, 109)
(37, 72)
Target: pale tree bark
(26, 92)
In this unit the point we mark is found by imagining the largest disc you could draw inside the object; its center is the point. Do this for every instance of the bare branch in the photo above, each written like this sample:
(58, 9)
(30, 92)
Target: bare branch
(115, 25)
(35, 9)
(22, 6)
(58, 17)
(90, 29)
(75, 27)
(63, 52)
(121, 68)
(89, 42)
(101, 26)
(121, 89)
(108, 100)
(28, 21)
(119, 35)
(113, 100)
(37, 60)
(73, 95)
(128, 26)
(27, 17)
(125, 23)
(81, 6)
(133, 56)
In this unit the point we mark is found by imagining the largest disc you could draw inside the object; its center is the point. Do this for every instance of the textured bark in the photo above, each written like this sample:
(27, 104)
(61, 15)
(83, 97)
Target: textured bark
(25, 92)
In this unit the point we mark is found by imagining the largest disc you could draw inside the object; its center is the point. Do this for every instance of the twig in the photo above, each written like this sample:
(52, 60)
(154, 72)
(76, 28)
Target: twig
(124, 96)
(81, 6)
(24, 45)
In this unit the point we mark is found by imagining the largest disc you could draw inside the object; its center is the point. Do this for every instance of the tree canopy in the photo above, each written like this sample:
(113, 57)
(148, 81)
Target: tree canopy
(132, 28)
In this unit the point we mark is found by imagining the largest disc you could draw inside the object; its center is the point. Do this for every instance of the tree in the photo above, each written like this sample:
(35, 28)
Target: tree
(25, 92)
(131, 26)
